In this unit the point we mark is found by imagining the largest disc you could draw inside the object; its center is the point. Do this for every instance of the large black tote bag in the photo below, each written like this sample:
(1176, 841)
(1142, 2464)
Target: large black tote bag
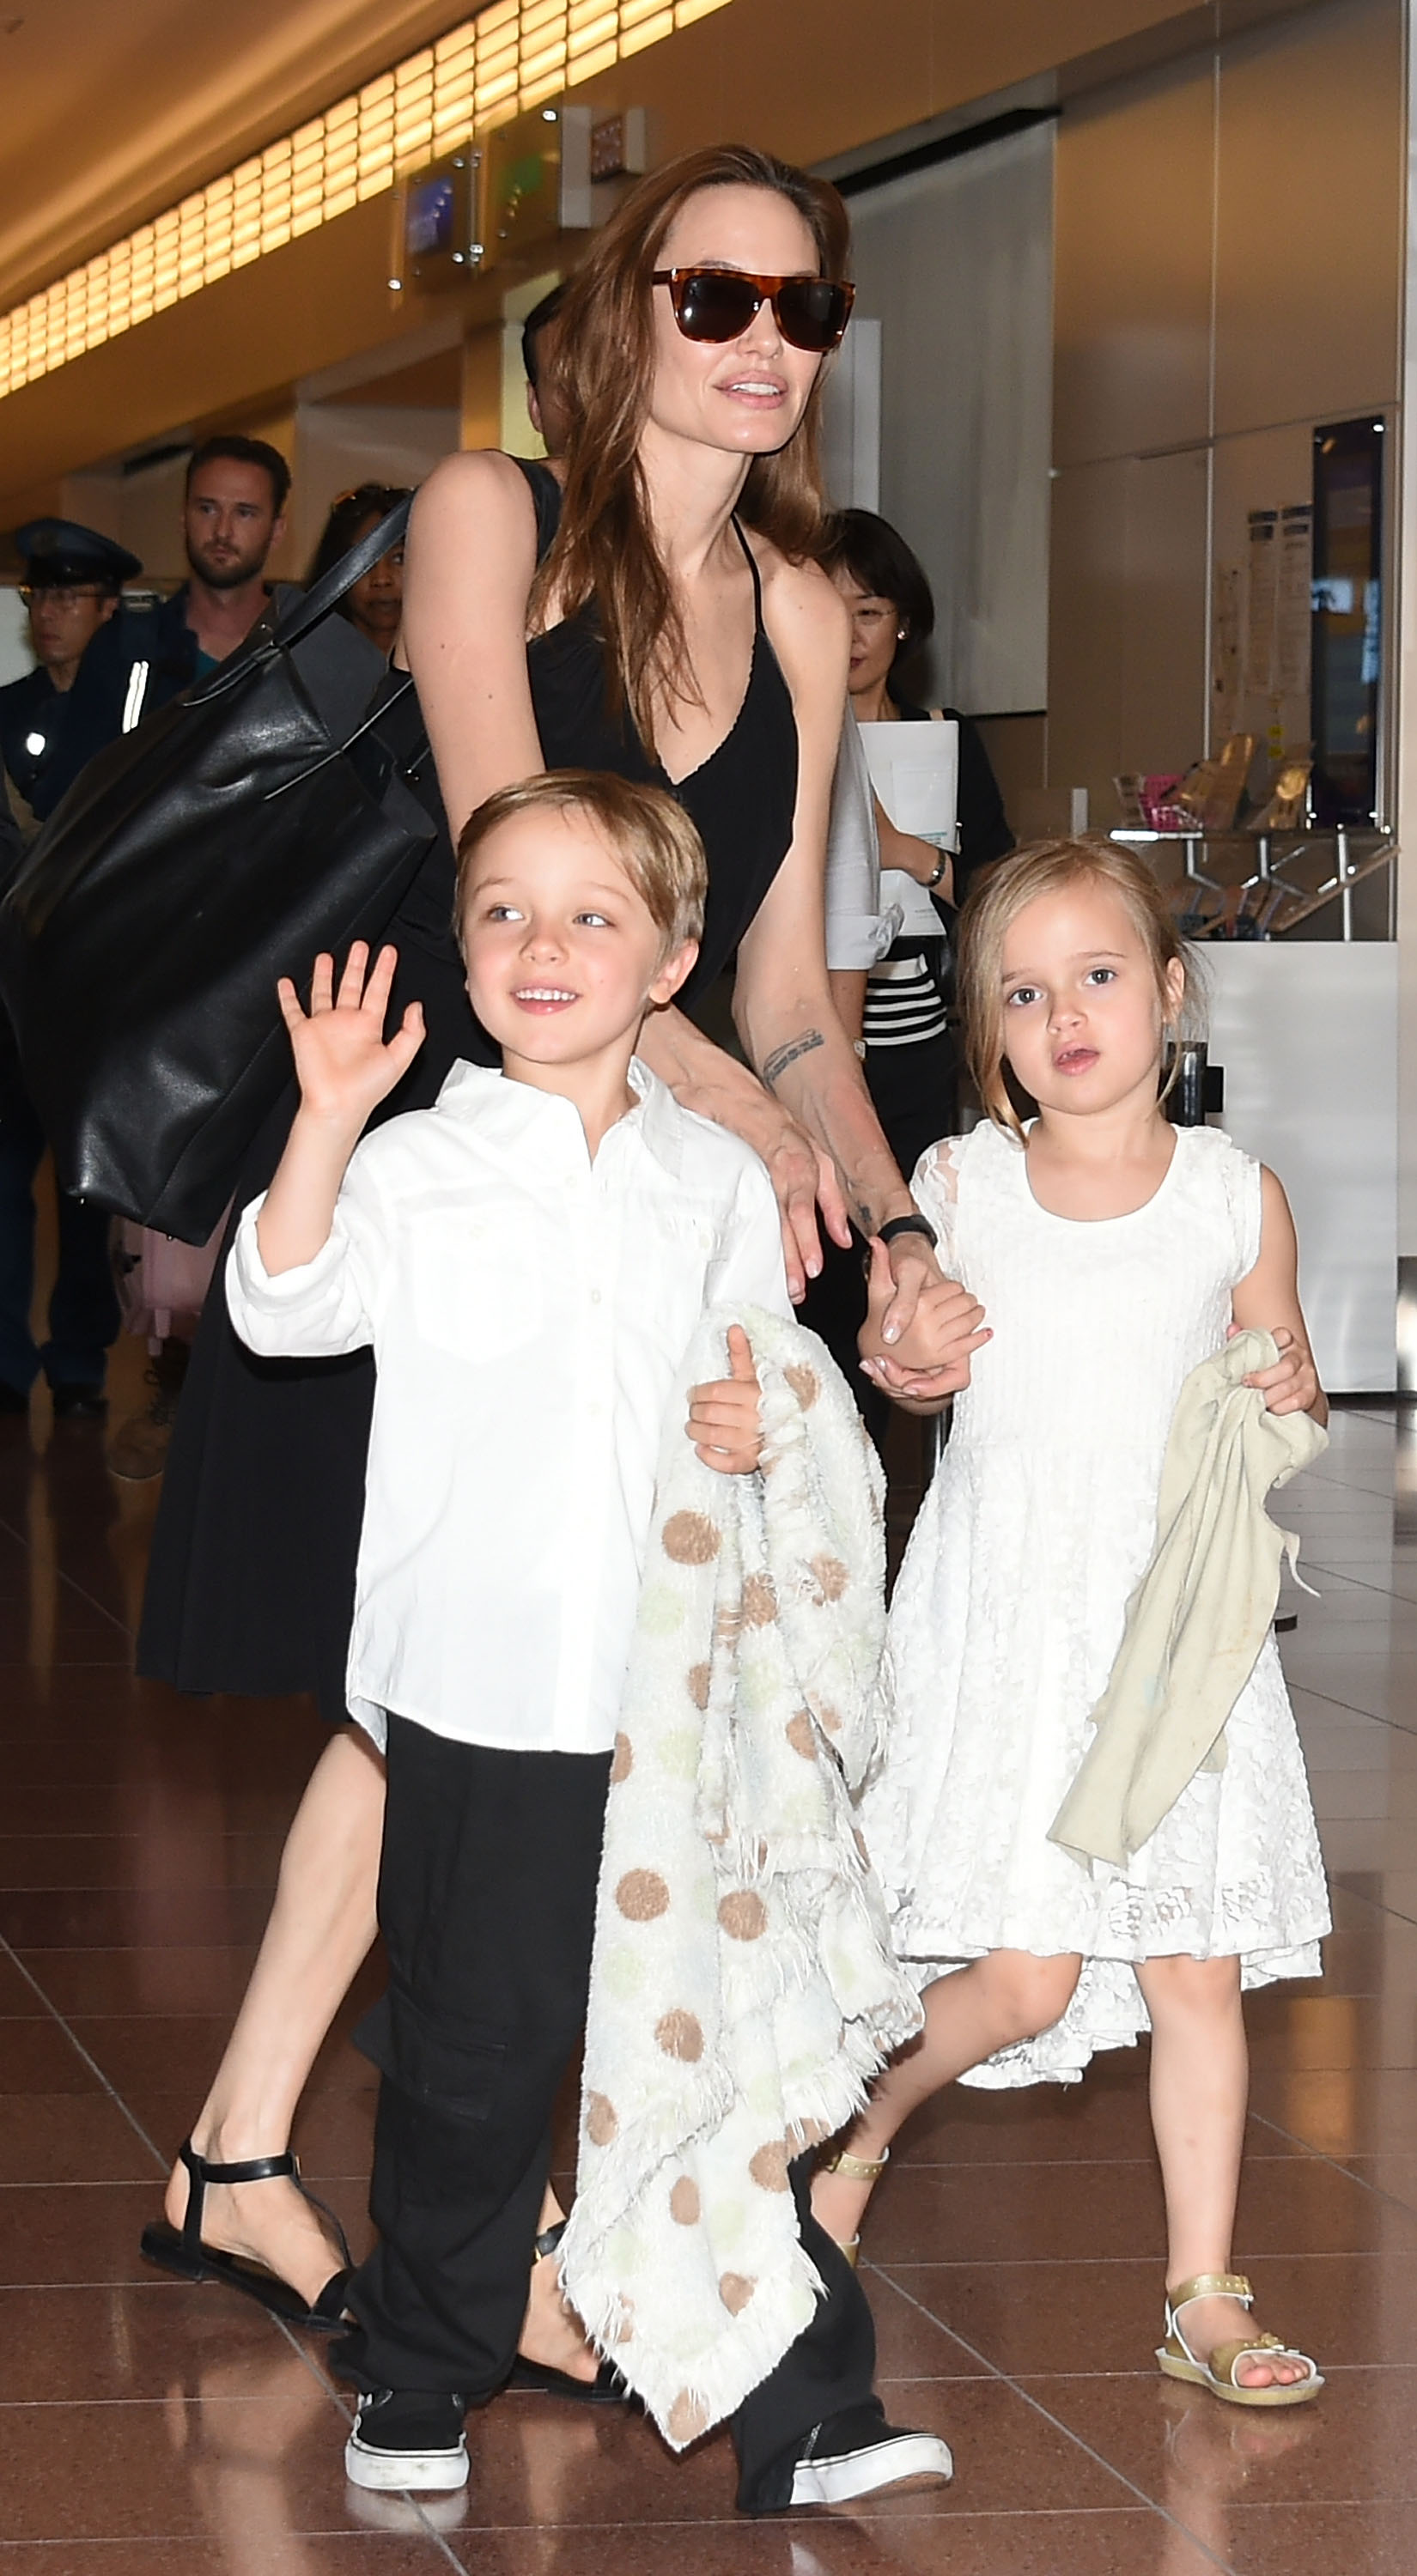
(267, 813)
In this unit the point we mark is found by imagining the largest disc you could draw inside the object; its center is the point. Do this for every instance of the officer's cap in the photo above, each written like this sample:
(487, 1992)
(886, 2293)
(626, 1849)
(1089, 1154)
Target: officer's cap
(59, 552)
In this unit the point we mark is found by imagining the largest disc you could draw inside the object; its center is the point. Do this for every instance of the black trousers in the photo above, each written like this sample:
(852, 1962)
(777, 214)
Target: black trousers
(487, 1906)
(83, 1308)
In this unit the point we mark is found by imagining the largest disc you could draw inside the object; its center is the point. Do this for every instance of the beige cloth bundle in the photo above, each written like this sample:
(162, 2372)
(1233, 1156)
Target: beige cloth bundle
(1202, 1610)
(743, 1989)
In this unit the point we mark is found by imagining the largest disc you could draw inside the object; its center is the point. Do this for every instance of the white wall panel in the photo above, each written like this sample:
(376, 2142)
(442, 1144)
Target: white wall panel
(1307, 1035)
(956, 264)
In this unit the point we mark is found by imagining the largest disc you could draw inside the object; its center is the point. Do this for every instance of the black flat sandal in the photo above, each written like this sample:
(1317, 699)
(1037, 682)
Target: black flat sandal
(182, 2250)
(538, 2378)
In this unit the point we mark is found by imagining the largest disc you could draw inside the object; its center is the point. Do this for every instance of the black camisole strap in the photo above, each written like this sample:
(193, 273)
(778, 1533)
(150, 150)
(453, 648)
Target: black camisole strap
(545, 500)
(753, 569)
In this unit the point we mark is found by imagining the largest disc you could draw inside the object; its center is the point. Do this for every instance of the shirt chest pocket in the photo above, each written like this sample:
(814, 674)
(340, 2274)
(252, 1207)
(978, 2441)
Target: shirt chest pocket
(673, 1266)
(478, 1283)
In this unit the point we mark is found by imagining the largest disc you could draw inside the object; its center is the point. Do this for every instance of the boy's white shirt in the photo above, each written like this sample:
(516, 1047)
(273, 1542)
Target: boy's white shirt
(529, 1312)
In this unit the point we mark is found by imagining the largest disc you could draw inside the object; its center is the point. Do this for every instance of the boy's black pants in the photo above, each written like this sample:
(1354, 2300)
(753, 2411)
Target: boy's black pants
(487, 1906)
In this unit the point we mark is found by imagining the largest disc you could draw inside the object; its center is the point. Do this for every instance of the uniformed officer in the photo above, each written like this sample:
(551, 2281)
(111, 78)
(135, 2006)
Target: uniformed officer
(233, 514)
(73, 577)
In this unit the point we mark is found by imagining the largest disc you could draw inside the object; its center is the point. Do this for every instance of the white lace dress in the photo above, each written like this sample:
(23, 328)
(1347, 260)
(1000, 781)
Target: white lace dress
(1011, 1600)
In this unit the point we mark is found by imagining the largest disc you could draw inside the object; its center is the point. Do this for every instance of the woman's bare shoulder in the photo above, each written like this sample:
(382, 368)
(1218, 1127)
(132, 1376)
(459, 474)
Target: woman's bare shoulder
(803, 611)
(479, 484)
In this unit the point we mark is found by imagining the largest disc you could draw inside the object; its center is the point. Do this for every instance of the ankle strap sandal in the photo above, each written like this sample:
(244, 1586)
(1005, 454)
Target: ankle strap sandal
(542, 2378)
(1217, 2372)
(185, 2252)
(854, 2169)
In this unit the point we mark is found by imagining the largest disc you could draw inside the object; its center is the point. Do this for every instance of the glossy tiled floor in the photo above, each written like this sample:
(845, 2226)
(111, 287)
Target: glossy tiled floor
(1015, 2248)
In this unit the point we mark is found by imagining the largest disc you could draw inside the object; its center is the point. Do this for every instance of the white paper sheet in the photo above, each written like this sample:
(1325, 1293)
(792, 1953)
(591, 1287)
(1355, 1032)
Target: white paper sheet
(915, 772)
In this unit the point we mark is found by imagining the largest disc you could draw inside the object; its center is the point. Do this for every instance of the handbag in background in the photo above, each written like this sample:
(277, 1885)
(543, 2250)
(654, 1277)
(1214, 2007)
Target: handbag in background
(266, 814)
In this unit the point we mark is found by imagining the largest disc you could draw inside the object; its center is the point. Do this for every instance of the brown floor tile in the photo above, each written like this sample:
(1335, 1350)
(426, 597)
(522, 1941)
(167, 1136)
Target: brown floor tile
(1343, 1796)
(536, 2462)
(1394, 2174)
(135, 1806)
(164, 1980)
(36, 2057)
(320, 2554)
(52, 2235)
(188, 1859)
(1033, 2318)
(1013, 2213)
(1367, 1962)
(1104, 2118)
(1194, 2455)
(68, 2138)
(90, 2345)
(334, 2126)
(1016, 2213)
(1314, 2031)
(17, 1995)
(1353, 2539)
(126, 1919)
(1352, 2111)
(151, 2052)
(1124, 2542)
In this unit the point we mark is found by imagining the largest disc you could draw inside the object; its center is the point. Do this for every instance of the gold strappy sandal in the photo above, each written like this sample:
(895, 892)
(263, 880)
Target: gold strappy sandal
(1218, 2373)
(856, 2169)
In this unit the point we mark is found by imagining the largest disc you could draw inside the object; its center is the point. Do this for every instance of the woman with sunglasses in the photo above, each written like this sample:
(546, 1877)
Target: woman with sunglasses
(648, 606)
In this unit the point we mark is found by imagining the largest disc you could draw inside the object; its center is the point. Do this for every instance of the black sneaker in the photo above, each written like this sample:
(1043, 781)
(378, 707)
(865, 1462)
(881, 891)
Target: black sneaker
(408, 2438)
(858, 2453)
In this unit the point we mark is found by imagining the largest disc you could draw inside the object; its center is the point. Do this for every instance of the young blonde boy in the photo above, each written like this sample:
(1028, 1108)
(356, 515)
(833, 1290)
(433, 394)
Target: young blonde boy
(530, 1260)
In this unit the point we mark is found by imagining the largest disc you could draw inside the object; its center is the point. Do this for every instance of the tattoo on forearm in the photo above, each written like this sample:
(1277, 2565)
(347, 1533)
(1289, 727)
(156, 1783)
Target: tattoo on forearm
(781, 1057)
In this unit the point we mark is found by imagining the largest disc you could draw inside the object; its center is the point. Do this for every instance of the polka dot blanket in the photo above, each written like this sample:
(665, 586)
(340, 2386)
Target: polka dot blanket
(743, 1989)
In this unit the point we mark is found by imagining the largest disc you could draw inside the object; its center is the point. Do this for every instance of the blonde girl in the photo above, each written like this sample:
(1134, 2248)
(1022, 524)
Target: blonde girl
(1112, 1252)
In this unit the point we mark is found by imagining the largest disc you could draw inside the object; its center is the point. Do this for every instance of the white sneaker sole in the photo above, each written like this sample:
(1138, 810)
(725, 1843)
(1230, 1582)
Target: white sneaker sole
(916, 2460)
(397, 2472)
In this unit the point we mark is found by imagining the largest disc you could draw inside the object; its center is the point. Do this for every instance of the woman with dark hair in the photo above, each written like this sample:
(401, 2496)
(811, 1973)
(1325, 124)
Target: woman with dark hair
(650, 605)
(375, 604)
(912, 1052)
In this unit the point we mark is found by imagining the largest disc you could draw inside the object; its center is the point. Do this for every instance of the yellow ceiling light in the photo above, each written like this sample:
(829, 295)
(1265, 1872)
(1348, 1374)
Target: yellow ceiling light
(506, 57)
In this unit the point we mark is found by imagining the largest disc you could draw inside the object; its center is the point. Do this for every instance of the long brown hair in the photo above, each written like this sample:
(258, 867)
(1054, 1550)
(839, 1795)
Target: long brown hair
(605, 359)
(997, 897)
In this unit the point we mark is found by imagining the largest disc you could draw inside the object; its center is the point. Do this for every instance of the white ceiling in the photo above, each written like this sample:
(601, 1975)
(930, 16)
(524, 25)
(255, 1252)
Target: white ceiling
(113, 109)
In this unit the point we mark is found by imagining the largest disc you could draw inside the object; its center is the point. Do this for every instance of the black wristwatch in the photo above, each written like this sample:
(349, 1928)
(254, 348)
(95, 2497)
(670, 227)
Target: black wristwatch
(914, 1224)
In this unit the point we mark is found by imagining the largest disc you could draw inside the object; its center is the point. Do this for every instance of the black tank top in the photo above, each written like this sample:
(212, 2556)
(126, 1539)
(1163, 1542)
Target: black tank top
(742, 797)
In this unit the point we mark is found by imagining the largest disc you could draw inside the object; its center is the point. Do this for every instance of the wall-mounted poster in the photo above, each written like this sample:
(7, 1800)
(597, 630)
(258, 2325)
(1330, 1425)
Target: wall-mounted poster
(1293, 610)
(1226, 660)
(1261, 603)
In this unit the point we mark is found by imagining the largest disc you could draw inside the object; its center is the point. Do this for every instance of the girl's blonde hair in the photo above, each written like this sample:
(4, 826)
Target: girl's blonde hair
(997, 898)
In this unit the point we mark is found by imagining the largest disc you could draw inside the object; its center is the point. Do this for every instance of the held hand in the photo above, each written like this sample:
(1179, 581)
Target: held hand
(913, 1269)
(931, 1357)
(344, 1067)
(1292, 1385)
(725, 1417)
